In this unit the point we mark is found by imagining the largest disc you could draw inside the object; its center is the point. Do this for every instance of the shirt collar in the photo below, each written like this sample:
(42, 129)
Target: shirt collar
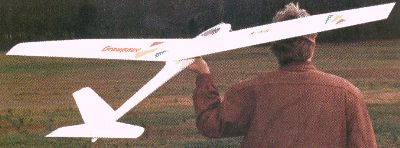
(298, 66)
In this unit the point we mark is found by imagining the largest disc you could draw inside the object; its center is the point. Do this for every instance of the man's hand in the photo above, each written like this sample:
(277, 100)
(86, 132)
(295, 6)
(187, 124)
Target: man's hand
(199, 66)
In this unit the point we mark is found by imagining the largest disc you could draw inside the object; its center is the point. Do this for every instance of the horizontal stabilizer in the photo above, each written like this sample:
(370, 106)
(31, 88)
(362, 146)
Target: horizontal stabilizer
(110, 130)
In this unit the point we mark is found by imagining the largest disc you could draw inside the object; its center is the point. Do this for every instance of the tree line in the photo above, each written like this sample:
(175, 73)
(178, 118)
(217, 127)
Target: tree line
(36, 20)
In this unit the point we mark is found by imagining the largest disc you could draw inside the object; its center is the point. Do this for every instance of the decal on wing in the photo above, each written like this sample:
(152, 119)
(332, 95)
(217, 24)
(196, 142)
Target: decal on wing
(334, 19)
(139, 52)
(117, 49)
(147, 51)
(263, 30)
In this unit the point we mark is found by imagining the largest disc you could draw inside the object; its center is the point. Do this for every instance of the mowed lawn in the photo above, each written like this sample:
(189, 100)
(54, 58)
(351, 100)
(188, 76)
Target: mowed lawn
(36, 93)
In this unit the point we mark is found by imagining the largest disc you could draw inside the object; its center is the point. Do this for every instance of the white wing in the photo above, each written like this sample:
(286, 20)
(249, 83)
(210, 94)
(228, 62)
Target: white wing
(178, 49)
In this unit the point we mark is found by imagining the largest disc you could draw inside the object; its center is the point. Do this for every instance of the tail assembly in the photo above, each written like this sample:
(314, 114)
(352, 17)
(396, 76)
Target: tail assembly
(99, 120)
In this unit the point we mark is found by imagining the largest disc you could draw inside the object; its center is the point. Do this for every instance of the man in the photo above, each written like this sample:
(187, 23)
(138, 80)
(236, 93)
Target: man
(294, 106)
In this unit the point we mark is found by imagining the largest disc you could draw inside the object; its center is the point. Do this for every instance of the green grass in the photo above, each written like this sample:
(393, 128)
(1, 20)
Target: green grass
(36, 98)
(386, 121)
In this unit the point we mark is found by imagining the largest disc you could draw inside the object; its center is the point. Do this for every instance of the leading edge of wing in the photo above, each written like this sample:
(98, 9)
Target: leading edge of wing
(118, 49)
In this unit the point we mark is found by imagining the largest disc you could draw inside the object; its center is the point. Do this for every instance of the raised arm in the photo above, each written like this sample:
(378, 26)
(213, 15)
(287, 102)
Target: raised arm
(217, 117)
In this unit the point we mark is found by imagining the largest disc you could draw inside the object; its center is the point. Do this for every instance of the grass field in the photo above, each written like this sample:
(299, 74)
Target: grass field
(35, 94)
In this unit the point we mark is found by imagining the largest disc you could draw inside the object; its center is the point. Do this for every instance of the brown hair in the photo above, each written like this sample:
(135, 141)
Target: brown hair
(297, 49)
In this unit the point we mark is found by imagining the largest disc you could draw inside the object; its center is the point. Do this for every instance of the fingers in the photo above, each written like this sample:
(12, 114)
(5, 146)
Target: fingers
(199, 66)
(198, 59)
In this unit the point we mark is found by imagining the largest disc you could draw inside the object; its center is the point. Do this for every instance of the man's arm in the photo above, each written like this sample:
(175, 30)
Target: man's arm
(217, 118)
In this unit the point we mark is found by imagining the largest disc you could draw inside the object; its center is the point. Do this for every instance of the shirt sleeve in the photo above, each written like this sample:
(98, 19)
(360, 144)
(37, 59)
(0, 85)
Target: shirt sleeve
(217, 118)
(360, 132)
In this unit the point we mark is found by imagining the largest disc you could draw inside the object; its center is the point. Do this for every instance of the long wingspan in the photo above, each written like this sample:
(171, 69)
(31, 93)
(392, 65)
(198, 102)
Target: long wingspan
(178, 49)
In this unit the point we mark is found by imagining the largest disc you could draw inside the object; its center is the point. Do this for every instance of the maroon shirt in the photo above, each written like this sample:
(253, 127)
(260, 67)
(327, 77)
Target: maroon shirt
(295, 106)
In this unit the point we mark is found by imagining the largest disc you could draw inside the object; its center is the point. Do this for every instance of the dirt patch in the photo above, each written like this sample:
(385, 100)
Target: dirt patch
(373, 97)
(167, 101)
(367, 73)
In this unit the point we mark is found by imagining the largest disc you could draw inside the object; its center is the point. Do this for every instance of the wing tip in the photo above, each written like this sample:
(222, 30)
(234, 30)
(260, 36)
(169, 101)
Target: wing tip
(389, 8)
(16, 49)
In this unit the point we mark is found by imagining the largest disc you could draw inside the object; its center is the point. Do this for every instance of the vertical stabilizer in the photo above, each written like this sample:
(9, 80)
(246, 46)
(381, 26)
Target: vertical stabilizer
(92, 107)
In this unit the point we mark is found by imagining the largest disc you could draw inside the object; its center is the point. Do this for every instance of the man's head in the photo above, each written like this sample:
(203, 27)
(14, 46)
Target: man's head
(299, 49)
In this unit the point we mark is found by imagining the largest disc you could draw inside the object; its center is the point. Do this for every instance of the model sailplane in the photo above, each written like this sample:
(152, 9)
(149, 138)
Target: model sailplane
(100, 120)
